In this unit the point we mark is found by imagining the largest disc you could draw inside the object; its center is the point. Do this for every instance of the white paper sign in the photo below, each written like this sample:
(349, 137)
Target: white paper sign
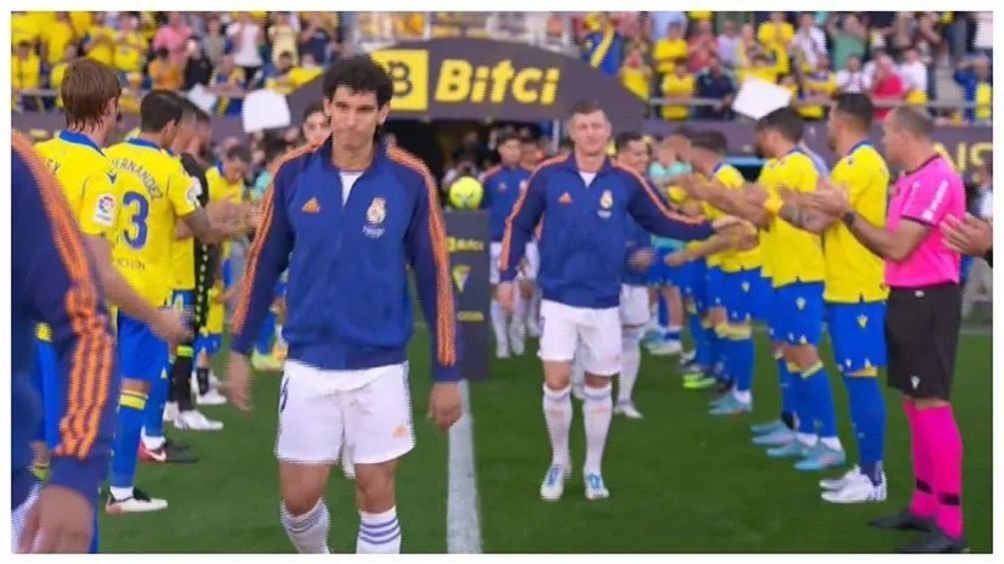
(758, 98)
(264, 109)
(203, 98)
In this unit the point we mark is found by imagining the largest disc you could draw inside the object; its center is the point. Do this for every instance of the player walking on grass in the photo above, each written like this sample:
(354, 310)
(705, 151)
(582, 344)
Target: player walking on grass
(922, 320)
(348, 217)
(586, 198)
(855, 292)
(53, 279)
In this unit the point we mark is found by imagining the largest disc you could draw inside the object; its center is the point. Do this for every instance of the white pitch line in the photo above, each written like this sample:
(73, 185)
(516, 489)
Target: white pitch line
(463, 524)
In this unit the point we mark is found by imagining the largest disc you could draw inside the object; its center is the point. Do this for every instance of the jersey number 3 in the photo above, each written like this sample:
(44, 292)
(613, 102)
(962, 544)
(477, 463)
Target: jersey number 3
(140, 211)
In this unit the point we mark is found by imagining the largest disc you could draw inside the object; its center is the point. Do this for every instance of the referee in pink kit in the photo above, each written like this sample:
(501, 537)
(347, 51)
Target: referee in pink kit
(922, 322)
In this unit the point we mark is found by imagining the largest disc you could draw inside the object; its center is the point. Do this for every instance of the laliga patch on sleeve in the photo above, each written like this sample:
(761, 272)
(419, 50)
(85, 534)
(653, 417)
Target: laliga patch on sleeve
(194, 191)
(104, 211)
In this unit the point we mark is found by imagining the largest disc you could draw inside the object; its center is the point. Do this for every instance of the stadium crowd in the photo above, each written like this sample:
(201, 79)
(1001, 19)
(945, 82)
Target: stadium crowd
(669, 55)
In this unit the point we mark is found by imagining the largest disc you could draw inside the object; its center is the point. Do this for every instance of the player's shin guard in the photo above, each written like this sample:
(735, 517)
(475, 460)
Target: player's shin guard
(558, 415)
(597, 409)
(818, 385)
(945, 444)
(742, 354)
(379, 533)
(630, 362)
(126, 447)
(307, 532)
(181, 376)
(868, 419)
(153, 414)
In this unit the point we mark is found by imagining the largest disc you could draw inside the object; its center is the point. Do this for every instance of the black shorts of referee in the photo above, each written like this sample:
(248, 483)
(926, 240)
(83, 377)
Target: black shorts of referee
(922, 335)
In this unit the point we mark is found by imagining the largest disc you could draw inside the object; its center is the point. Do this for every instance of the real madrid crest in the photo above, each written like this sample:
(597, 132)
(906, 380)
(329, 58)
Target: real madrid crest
(375, 216)
(502, 187)
(606, 203)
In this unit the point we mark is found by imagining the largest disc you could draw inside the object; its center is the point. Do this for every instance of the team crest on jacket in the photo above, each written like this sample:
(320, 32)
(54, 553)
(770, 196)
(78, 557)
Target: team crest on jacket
(375, 216)
(606, 202)
(502, 187)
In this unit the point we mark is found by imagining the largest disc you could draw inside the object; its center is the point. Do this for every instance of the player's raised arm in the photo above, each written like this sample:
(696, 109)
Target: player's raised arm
(267, 259)
(652, 213)
(520, 225)
(51, 257)
(425, 241)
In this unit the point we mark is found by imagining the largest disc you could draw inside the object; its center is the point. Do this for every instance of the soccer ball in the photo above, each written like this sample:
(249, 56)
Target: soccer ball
(466, 193)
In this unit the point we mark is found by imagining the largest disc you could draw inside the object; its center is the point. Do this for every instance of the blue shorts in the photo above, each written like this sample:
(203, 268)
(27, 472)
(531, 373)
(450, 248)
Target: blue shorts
(858, 335)
(714, 291)
(45, 380)
(142, 355)
(740, 290)
(693, 281)
(799, 307)
(209, 343)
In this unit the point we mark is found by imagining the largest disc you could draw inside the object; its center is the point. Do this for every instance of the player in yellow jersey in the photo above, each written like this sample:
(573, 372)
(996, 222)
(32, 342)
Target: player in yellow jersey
(740, 283)
(93, 191)
(855, 292)
(160, 198)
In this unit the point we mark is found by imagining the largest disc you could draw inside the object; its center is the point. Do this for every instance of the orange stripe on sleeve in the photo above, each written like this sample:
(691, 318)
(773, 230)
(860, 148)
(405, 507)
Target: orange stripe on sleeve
(507, 234)
(91, 370)
(488, 173)
(446, 350)
(657, 200)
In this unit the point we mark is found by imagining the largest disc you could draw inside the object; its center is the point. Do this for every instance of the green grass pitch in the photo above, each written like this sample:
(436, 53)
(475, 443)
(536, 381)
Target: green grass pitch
(680, 480)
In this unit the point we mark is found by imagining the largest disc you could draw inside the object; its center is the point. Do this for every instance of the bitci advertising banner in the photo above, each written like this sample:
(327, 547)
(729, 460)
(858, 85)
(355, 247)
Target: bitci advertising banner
(467, 243)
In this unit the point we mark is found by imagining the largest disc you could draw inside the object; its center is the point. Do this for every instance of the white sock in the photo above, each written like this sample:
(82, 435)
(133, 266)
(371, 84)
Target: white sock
(807, 439)
(278, 336)
(832, 443)
(120, 493)
(558, 415)
(596, 409)
(153, 443)
(379, 533)
(517, 325)
(499, 325)
(630, 363)
(743, 397)
(534, 312)
(307, 532)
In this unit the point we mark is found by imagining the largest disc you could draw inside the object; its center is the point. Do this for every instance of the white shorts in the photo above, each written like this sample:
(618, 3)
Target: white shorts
(634, 308)
(19, 516)
(319, 410)
(562, 327)
(528, 269)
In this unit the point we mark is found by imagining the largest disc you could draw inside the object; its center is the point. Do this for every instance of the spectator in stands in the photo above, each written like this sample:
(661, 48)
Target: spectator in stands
(228, 82)
(702, 46)
(762, 67)
(677, 87)
(914, 74)
(198, 67)
(214, 44)
(635, 75)
(281, 81)
(316, 37)
(164, 74)
(976, 80)
(604, 46)
(132, 94)
(26, 74)
(130, 47)
(849, 38)
(671, 48)
(775, 35)
(246, 36)
(809, 43)
(307, 70)
(748, 47)
(818, 88)
(283, 37)
(55, 37)
(853, 79)
(983, 37)
(59, 69)
(887, 85)
(713, 83)
(99, 42)
(660, 22)
(174, 36)
(728, 44)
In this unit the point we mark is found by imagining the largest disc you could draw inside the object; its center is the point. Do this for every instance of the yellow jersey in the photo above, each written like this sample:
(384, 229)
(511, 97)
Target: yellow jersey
(666, 52)
(817, 84)
(765, 180)
(674, 85)
(26, 74)
(221, 189)
(637, 81)
(57, 36)
(158, 195)
(797, 255)
(853, 273)
(102, 52)
(777, 37)
(91, 184)
(735, 260)
(129, 55)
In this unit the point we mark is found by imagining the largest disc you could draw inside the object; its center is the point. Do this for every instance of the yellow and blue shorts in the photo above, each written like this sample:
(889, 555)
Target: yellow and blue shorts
(692, 278)
(714, 289)
(799, 308)
(857, 331)
(741, 290)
